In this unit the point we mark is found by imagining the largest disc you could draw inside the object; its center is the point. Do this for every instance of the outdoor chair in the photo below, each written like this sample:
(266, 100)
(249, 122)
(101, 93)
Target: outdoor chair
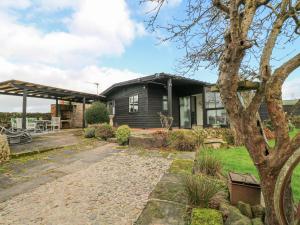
(16, 124)
(31, 124)
(55, 123)
(16, 137)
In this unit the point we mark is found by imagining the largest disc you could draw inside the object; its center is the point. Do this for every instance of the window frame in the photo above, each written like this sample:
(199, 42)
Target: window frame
(133, 103)
(165, 103)
(214, 107)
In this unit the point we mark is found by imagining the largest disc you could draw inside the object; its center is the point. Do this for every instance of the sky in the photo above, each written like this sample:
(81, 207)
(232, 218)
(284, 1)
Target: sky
(75, 43)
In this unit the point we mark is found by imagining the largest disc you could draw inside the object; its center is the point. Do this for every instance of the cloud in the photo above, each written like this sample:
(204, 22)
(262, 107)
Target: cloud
(150, 6)
(68, 54)
(93, 29)
(291, 89)
(80, 80)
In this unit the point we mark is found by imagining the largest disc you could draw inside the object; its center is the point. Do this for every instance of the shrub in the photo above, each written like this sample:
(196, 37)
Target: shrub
(200, 189)
(207, 164)
(182, 140)
(228, 136)
(123, 134)
(97, 113)
(89, 132)
(206, 217)
(104, 131)
(161, 137)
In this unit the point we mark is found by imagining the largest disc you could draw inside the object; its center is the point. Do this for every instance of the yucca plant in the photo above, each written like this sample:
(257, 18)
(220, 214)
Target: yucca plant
(200, 189)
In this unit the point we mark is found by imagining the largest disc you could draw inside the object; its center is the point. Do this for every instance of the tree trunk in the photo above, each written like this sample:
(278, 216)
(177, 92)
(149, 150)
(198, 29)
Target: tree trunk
(238, 137)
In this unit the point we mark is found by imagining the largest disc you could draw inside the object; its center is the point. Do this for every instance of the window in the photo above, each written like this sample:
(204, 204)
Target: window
(165, 103)
(213, 100)
(216, 116)
(134, 103)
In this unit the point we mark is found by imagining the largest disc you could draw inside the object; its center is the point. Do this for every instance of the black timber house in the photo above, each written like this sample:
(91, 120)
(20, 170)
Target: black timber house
(138, 102)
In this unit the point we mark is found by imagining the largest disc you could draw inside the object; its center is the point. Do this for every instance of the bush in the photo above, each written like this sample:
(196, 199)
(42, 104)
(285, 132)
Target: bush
(206, 217)
(97, 113)
(207, 164)
(182, 140)
(104, 131)
(161, 137)
(123, 134)
(200, 189)
(89, 132)
(228, 136)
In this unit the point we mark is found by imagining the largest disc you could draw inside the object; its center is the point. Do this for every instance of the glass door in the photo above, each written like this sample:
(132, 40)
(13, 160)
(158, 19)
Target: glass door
(185, 112)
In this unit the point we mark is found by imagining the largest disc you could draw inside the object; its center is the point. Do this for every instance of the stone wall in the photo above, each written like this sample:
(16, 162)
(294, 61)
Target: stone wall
(4, 149)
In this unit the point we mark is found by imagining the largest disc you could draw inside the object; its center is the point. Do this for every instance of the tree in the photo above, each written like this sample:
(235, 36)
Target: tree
(239, 37)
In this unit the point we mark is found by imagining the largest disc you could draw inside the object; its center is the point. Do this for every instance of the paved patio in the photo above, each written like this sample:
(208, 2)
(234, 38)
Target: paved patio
(46, 141)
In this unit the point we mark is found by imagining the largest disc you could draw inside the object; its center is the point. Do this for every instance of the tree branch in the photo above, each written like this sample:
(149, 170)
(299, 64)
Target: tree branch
(221, 6)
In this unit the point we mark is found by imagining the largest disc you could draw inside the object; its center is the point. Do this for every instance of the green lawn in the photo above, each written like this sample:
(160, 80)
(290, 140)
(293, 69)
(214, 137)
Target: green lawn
(237, 159)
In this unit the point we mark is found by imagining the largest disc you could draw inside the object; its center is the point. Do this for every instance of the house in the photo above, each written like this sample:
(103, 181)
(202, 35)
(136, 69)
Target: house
(190, 102)
(291, 107)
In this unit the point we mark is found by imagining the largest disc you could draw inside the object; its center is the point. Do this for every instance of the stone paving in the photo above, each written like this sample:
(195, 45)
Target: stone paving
(112, 191)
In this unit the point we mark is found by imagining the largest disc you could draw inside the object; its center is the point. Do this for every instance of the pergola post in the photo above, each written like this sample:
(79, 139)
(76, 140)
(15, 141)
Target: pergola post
(83, 113)
(170, 97)
(24, 109)
(56, 107)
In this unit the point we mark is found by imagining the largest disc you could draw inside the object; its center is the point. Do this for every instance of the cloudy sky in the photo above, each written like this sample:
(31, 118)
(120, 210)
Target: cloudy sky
(74, 43)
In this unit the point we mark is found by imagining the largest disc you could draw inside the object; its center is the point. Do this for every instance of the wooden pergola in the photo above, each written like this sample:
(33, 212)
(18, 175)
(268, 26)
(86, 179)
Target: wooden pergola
(26, 89)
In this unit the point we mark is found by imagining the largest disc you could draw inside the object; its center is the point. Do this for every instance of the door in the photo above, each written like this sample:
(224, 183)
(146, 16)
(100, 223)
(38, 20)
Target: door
(199, 109)
(185, 112)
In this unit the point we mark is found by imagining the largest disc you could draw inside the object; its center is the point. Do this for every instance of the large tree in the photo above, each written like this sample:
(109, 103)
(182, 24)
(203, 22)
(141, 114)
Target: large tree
(239, 38)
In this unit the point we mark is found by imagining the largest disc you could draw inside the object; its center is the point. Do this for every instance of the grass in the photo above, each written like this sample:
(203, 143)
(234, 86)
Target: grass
(237, 159)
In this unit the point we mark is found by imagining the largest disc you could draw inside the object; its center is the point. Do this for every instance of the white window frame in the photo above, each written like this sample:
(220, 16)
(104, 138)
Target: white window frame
(133, 102)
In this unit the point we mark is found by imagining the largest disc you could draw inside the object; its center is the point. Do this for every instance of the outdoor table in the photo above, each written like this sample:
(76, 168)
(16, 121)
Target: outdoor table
(43, 123)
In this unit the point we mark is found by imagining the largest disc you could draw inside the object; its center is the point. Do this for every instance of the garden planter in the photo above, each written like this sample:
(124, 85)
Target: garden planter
(245, 188)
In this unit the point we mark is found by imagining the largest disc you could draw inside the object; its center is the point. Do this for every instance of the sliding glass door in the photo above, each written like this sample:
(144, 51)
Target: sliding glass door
(185, 112)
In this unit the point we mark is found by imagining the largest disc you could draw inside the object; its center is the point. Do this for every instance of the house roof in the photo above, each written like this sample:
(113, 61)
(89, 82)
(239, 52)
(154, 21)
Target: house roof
(160, 78)
(17, 88)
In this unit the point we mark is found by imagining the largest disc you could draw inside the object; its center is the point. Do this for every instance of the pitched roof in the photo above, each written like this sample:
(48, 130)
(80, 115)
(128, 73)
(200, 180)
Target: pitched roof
(158, 77)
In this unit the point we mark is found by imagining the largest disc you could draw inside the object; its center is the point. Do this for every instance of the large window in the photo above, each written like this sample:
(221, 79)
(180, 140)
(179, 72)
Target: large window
(216, 116)
(213, 100)
(216, 113)
(165, 103)
(134, 103)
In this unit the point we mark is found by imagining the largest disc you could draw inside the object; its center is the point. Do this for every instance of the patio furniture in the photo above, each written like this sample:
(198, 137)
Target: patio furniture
(16, 124)
(31, 124)
(55, 123)
(43, 125)
(17, 137)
